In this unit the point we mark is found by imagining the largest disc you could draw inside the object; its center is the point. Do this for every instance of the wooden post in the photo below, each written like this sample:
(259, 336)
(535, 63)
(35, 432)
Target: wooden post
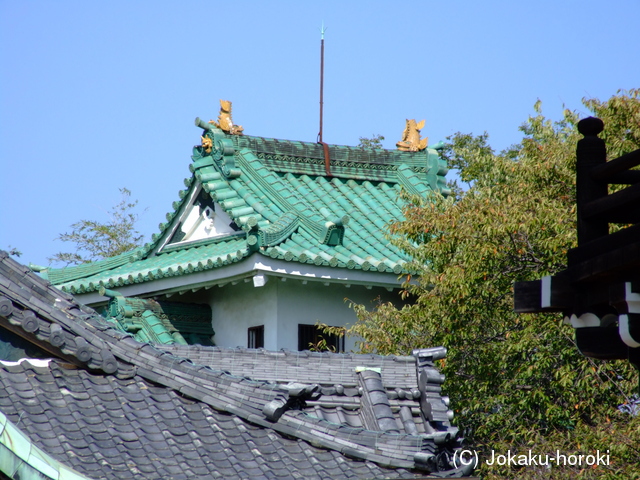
(590, 152)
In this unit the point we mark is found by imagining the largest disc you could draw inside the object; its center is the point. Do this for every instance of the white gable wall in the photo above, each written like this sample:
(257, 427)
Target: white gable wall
(208, 223)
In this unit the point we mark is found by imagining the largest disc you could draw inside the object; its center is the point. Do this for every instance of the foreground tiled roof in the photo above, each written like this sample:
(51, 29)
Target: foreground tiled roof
(106, 427)
(283, 206)
(111, 407)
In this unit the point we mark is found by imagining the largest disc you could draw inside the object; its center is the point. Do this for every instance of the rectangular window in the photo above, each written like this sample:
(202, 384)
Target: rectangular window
(311, 337)
(255, 338)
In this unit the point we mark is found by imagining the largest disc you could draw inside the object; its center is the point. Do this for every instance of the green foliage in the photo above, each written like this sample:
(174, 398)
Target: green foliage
(95, 240)
(326, 338)
(374, 142)
(517, 382)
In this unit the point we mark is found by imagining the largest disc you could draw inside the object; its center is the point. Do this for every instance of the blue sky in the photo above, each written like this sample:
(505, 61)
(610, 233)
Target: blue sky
(95, 96)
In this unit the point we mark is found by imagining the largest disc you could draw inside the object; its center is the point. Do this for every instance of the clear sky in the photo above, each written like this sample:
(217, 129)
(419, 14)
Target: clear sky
(95, 96)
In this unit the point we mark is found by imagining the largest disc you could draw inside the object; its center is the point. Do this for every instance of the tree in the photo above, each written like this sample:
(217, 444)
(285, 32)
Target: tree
(374, 142)
(517, 381)
(96, 240)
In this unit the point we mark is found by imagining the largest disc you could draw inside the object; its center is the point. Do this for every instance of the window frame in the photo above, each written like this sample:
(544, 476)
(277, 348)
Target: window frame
(311, 334)
(255, 335)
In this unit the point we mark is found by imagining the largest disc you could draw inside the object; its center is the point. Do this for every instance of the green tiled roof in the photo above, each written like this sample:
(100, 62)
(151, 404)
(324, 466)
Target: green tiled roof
(155, 322)
(62, 275)
(222, 251)
(283, 206)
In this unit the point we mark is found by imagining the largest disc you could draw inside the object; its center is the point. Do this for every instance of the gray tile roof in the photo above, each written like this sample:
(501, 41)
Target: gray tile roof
(342, 387)
(111, 407)
(107, 427)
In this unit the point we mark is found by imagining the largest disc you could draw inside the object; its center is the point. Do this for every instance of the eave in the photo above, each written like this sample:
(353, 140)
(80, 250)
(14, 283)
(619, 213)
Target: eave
(254, 265)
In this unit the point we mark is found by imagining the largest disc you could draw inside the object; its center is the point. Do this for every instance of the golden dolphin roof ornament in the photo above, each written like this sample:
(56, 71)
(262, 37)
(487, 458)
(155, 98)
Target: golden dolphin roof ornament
(225, 122)
(411, 141)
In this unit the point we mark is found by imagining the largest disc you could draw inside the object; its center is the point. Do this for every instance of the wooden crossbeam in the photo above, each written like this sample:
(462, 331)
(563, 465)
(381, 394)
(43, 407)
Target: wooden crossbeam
(619, 207)
(608, 170)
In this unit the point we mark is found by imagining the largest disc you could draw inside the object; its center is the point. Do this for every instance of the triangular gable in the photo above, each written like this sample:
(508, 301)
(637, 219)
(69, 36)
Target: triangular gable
(202, 218)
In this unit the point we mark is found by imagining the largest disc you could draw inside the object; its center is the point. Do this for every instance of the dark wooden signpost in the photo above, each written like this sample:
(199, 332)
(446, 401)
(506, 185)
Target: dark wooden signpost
(599, 292)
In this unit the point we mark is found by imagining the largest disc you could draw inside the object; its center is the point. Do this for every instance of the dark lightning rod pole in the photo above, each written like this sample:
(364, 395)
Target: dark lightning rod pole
(322, 30)
(325, 147)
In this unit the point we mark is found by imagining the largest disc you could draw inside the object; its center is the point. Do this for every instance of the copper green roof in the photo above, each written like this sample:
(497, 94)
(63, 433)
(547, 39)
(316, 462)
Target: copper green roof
(282, 205)
(159, 322)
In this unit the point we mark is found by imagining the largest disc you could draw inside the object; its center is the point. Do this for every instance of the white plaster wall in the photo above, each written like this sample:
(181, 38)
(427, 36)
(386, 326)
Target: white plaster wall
(281, 306)
(315, 302)
(235, 308)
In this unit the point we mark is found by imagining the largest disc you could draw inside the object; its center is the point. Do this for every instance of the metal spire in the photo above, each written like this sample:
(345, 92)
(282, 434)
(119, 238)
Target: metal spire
(325, 147)
(322, 30)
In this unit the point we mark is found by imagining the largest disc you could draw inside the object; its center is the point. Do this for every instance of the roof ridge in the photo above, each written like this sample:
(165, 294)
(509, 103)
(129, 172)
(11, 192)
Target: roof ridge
(288, 156)
(302, 148)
